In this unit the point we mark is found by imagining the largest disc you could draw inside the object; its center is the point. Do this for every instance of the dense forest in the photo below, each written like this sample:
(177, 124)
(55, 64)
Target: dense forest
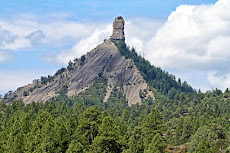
(180, 119)
(188, 123)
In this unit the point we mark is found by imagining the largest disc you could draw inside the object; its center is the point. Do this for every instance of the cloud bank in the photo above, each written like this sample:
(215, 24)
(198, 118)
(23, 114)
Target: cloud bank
(195, 38)
(85, 44)
(194, 41)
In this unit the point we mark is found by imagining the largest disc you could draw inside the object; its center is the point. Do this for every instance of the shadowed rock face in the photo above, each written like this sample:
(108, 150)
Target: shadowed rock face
(105, 60)
(118, 29)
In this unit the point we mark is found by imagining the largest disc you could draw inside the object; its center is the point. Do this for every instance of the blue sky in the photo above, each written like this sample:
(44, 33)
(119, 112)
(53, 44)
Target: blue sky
(98, 9)
(39, 37)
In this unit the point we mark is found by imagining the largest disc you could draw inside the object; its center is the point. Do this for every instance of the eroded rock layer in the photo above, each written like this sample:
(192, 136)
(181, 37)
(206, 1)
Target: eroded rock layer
(118, 29)
(103, 61)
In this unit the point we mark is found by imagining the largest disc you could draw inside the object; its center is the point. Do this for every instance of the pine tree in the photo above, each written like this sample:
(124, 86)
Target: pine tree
(75, 147)
(203, 147)
(106, 141)
(152, 126)
(87, 129)
(136, 142)
(157, 145)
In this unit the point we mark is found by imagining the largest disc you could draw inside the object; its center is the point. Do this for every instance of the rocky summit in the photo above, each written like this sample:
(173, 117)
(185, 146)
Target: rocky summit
(118, 29)
(104, 61)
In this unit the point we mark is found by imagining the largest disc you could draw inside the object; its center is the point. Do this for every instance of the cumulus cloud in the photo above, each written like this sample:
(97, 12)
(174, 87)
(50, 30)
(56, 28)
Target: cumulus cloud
(19, 43)
(137, 32)
(51, 32)
(9, 41)
(194, 37)
(86, 44)
(11, 80)
(36, 37)
(4, 55)
(5, 37)
(220, 82)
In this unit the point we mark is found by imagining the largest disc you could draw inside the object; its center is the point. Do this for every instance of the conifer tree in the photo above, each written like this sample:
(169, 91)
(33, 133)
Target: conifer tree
(106, 141)
(152, 126)
(203, 147)
(157, 145)
(136, 142)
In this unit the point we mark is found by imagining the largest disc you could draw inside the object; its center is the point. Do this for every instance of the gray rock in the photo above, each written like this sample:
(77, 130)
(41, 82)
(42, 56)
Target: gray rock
(105, 60)
(118, 29)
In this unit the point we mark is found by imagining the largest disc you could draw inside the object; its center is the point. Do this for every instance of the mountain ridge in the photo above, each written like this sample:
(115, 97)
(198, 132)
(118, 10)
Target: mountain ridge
(115, 62)
(103, 61)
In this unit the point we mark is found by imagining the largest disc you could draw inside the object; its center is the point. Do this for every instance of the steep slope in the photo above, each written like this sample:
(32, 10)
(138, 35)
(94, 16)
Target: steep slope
(103, 61)
(113, 61)
(164, 82)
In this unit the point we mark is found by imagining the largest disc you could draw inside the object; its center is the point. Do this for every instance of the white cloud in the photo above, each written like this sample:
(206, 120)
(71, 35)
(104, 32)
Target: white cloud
(9, 41)
(57, 28)
(5, 37)
(137, 32)
(221, 82)
(36, 37)
(194, 37)
(4, 55)
(11, 80)
(18, 43)
(85, 44)
(51, 32)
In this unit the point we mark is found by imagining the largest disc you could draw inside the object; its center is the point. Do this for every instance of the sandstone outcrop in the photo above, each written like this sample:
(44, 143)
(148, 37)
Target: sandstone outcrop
(104, 60)
(118, 29)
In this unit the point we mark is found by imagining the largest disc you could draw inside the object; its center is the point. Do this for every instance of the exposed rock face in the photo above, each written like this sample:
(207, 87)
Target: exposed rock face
(105, 60)
(118, 29)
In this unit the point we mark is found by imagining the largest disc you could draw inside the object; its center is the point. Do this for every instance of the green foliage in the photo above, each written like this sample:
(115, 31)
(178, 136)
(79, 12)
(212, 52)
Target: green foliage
(82, 60)
(157, 145)
(62, 70)
(107, 138)
(75, 147)
(70, 66)
(45, 80)
(64, 89)
(203, 147)
(196, 122)
(136, 141)
(162, 81)
(152, 125)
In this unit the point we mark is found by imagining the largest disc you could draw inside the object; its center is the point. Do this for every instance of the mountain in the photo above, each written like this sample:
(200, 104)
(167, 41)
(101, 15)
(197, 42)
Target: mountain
(123, 70)
(103, 61)
(84, 108)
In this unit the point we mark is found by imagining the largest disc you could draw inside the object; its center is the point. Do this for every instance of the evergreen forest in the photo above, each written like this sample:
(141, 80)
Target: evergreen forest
(180, 119)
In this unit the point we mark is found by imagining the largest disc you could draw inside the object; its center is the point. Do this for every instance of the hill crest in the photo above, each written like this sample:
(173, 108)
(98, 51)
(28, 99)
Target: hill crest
(103, 61)
(113, 61)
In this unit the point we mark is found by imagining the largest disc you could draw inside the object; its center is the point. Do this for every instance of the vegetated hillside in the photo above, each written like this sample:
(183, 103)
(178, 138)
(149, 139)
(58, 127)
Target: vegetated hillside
(93, 106)
(157, 78)
(103, 61)
(187, 123)
(119, 65)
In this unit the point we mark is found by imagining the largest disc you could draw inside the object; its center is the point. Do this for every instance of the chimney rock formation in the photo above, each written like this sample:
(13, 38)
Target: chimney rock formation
(118, 29)
(104, 61)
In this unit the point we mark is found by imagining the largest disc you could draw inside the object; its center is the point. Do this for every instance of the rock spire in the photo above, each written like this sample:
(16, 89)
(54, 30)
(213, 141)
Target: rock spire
(118, 29)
